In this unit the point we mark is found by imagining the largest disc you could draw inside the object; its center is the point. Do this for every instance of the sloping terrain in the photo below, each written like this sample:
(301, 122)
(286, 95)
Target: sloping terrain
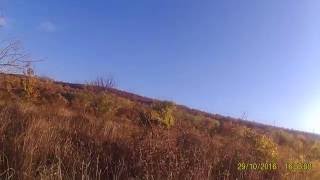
(56, 130)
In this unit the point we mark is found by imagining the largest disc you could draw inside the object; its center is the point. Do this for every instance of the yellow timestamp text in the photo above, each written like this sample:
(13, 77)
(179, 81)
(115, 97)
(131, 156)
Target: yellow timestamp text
(242, 166)
(298, 166)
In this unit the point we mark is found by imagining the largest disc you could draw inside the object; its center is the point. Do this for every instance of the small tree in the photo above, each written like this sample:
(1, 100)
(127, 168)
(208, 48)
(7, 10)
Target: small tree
(13, 59)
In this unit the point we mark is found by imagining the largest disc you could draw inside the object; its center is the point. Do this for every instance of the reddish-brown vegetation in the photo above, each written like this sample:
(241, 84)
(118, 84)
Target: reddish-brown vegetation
(52, 130)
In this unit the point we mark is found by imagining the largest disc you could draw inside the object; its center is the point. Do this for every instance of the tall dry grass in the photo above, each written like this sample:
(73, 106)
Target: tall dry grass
(65, 133)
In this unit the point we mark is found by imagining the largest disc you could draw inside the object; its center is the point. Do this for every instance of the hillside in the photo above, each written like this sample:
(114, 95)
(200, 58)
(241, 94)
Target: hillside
(58, 130)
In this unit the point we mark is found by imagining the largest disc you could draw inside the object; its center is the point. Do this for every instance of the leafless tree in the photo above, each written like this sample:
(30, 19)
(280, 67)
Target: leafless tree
(104, 82)
(13, 59)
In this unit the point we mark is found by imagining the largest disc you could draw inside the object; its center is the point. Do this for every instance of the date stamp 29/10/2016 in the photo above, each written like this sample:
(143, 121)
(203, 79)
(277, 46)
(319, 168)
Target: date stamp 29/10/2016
(289, 166)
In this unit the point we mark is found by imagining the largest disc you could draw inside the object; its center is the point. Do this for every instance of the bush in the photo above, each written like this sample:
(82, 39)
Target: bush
(286, 139)
(102, 104)
(266, 147)
(163, 112)
(160, 113)
(211, 126)
(53, 98)
(70, 97)
(29, 86)
(80, 101)
(263, 146)
(214, 126)
(98, 104)
(315, 151)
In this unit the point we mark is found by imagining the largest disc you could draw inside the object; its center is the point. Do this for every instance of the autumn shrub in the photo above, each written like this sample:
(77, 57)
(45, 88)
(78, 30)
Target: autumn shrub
(99, 104)
(102, 104)
(245, 145)
(9, 86)
(80, 100)
(159, 113)
(315, 151)
(264, 148)
(53, 98)
(163, 112)
(30, 87)
(211, 126)
(69, 96)
(284, 138)
(5, 97)
(128, 113)
(6, 84)
(169, 154)
(214, 126)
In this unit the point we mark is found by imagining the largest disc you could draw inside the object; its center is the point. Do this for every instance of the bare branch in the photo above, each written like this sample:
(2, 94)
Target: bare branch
(103, 83)
(13, 59)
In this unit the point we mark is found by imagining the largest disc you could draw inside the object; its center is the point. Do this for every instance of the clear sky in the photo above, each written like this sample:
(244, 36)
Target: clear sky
(221, 56)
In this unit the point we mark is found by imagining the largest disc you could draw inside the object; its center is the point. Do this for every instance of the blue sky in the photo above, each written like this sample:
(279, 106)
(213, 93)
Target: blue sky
(221, 56)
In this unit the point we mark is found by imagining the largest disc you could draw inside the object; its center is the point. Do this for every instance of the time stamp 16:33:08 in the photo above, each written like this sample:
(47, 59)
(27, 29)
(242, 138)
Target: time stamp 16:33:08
(290, 166)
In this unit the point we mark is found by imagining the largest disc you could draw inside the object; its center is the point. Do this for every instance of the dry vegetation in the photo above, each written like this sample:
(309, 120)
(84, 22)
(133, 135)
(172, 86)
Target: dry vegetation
(52, 130)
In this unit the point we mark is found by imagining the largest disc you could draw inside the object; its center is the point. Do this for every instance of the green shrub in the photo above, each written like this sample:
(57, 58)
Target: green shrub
(102, 104)
(160, 113)
(263, 146)
(266, 147)
(98, 104)
(79, 100)
(214, 126)
(163, 112)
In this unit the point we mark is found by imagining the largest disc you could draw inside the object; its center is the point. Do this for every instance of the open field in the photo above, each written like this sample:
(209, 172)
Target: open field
(55, 130)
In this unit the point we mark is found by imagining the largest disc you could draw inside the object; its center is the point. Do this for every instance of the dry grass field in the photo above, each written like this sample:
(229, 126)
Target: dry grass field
(54, 130)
